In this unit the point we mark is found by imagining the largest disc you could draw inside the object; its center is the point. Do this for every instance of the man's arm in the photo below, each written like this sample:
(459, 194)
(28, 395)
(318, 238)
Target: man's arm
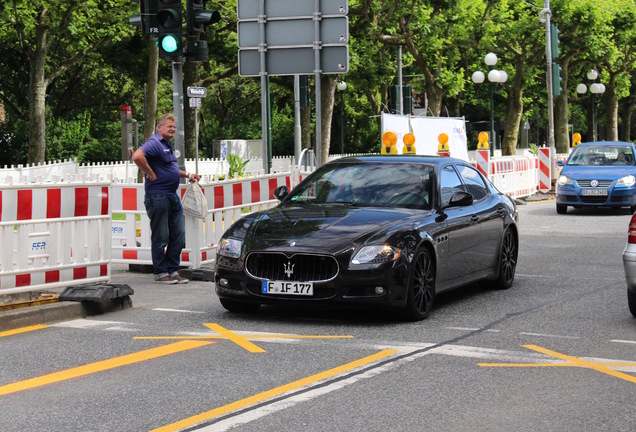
(139, 158)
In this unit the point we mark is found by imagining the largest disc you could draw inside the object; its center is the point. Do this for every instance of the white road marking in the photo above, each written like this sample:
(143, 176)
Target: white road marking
(549, 335)
(177, 310)
(623, 341)
(86, 323)
(472, 329)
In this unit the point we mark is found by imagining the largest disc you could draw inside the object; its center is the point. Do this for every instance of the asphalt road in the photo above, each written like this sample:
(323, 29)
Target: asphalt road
(556, 352)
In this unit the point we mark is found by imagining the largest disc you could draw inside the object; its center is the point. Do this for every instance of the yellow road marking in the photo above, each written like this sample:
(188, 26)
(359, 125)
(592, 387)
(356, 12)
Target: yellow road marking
(247, 336)
(23, 330)
(569, 362)
(216, 412)
(239, 340)
(101, 366)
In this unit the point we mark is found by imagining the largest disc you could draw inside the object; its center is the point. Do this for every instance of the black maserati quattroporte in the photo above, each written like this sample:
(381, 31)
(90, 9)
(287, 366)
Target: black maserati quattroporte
(373, 231)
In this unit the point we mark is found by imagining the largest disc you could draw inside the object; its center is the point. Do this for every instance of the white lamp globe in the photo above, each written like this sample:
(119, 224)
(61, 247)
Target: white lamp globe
(342, 86)
(592, 75)
(493, 76)
(602, 88)
(581, 88)
(478, 77)
(596, 88)
(503, 76)
(490, 59)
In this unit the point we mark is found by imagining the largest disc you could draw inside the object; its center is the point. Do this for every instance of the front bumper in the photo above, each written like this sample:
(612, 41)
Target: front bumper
(616, 197)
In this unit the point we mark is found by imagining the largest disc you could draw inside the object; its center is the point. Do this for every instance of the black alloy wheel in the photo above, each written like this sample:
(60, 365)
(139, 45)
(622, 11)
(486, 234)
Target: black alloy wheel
(421, 287)
(239, 306)
(507, 260)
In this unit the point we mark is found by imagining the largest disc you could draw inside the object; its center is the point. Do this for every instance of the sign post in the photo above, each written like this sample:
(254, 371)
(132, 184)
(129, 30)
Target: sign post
(303, 37)
(196, 94)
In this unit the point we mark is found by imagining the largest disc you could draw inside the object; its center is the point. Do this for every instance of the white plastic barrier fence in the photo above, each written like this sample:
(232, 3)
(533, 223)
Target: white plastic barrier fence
(54, 235)
(227, 201)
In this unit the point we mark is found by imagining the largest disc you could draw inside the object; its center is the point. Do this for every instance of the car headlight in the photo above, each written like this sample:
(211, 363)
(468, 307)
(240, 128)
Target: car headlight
(563, 180)
(376, 254)
(629, 180)
(230, 247)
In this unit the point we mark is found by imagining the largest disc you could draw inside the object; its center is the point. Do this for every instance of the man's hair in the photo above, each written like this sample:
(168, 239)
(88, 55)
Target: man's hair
(164, 118)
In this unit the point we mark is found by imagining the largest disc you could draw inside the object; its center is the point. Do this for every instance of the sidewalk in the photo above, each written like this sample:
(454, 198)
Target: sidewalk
(14, 312)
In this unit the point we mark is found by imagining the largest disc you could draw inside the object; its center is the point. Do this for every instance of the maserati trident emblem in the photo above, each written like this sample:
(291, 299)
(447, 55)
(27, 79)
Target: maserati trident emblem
(594, 183)
(289, 269)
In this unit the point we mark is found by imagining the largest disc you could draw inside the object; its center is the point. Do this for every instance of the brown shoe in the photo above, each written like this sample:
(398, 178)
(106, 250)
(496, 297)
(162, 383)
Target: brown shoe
(180, 279)
(166, 280)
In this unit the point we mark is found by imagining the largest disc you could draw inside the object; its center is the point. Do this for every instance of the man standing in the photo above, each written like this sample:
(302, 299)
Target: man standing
(157, 160)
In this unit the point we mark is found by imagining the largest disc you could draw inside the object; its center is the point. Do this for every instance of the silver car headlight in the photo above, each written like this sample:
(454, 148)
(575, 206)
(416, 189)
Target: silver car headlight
(376, 254)
(629, 180)
(563, 180)
(230, 247)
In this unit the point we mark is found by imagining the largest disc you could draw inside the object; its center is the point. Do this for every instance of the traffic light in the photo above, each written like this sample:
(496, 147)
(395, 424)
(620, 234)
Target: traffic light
(554, 41)
(147, 18)
(407, 98)
(197, 17)
(556, 80)
(170, 41)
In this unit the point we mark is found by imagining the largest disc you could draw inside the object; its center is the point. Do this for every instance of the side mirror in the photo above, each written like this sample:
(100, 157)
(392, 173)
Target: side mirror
(560, 163)
(461, 199)
(281, 192)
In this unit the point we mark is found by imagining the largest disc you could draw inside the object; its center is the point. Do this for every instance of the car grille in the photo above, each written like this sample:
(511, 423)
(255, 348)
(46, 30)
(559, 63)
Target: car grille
(299, 267)
(591, 199)
(601, 183)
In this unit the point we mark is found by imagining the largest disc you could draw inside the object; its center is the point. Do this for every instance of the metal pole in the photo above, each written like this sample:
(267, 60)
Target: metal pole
(492, 119)
(400, 96)
(548, 55)
(342, 122)
(317, 71)
(297, 128)
(177, 101)
(262, 49)
(196, 139)
(593, 99)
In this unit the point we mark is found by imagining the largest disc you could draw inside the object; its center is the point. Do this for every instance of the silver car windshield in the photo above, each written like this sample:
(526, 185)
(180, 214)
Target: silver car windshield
(603, 155)
(382, 184)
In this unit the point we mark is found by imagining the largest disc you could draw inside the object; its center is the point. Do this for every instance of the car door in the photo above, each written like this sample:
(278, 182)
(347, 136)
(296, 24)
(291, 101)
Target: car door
(462, 242)
(489, 212)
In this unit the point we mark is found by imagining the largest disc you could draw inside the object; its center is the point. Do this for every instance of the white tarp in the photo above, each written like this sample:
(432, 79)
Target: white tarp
(426, 131)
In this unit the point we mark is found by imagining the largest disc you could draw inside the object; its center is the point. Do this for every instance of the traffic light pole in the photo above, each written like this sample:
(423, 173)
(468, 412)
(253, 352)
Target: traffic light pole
(177, 102)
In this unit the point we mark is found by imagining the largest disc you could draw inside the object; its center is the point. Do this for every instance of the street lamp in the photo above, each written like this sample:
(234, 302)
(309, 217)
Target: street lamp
(597, 89)
(342, 86)
(494, 77)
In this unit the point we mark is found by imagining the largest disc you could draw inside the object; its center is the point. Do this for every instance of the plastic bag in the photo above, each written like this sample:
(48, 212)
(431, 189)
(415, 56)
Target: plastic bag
(194, 202)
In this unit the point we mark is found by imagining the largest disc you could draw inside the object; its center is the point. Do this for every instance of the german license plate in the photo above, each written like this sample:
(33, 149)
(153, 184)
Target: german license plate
(594, 192)
(287, 288)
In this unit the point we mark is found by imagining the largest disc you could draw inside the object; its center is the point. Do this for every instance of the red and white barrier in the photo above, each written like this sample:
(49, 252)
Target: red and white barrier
(545, 179)
(482, 157)
(54, 235)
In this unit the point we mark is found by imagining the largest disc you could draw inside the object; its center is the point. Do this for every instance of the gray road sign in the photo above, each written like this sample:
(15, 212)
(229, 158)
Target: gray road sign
(333, 30)
(197, 92)
(294, 61)
(248, 9)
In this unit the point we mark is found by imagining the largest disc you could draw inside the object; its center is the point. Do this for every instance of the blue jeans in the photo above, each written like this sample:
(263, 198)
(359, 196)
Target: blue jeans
(167, 237)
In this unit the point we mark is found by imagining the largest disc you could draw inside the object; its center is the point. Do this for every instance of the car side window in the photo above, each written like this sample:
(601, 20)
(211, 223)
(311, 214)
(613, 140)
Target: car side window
(449, 184)
(473, 181)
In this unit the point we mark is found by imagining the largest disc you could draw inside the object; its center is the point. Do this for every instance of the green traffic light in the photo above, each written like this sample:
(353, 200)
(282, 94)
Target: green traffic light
(169, 43)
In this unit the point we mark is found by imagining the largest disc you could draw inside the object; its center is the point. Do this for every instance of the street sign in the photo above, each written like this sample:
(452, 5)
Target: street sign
(333, 30)
(197, 92)
(195, 102)
(295, 61)
(248, 9)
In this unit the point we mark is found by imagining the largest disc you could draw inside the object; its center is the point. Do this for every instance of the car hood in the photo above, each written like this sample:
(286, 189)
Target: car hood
(324, 228)
(597, 172)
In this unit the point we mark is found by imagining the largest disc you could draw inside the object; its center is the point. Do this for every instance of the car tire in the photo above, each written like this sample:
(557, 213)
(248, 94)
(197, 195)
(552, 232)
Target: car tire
(632, 209)
(507, 260)
(421, 287)
(239, 306)
(561, 209)
(631, 301)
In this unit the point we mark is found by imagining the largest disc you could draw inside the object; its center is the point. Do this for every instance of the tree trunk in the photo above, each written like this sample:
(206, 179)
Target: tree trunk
(514, 111)
(435, 97)
(628, 113)
(37, 98)
(305, 126)
(611, 116)
(561, 116)
(328, 91)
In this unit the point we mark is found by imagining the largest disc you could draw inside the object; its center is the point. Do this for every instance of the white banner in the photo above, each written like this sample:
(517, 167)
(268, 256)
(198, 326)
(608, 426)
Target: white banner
(426, 131)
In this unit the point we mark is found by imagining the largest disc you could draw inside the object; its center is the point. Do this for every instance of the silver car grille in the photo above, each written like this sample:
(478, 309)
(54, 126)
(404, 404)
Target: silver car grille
(601, 183)
(297, 267)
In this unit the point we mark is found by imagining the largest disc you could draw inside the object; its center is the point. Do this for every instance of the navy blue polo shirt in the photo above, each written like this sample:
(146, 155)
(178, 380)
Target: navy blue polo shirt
(160, 155)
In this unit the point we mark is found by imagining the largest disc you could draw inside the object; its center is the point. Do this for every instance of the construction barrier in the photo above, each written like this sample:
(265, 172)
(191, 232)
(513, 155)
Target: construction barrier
(545, 179)
(54, 235)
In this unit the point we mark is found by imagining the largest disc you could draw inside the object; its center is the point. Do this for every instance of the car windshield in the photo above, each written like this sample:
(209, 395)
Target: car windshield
(602, 155)
(369, 184)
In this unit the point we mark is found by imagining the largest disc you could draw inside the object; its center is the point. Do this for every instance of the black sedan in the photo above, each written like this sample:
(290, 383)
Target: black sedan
(375, 231)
